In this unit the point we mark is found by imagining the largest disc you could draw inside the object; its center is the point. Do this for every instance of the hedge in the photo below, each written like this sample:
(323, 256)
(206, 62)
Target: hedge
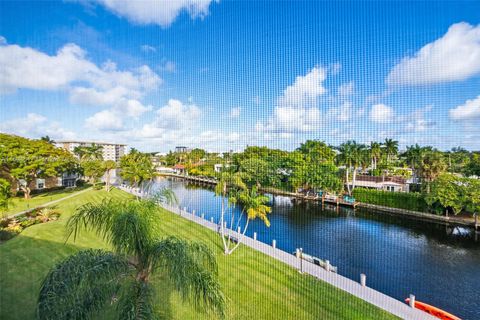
(401, 200)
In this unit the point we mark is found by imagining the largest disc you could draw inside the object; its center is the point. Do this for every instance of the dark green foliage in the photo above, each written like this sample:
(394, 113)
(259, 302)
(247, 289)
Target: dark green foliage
(400, 200)
(6, 234)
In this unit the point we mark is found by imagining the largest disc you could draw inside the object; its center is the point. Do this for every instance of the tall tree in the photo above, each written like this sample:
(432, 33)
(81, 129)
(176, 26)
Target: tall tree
(136, 167)
(4, 194)
(226, 180)
(473, 166)
(391, 149)
(375, 153)
(317, 151)
(254, 205)
(446, 191)
(108, 166)
(85, 283)
(47, 139)
(25, 160)
(92, 152)
(93, 170)
(432, 164)
(351, 156)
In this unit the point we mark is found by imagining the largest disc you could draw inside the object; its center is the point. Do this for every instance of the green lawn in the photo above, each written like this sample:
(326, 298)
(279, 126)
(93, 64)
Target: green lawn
(256, 286)
(18, 204)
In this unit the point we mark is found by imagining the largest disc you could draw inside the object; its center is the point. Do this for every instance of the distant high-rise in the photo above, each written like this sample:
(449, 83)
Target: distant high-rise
(110, 151)
(181, 149)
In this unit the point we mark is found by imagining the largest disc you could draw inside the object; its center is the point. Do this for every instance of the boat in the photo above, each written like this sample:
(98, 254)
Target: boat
(316, 261)
(434, 311)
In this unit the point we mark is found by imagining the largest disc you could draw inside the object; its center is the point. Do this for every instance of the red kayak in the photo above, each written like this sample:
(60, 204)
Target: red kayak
(434, 311)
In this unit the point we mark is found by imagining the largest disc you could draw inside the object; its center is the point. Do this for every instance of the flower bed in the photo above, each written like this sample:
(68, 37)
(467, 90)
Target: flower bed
(10, 227)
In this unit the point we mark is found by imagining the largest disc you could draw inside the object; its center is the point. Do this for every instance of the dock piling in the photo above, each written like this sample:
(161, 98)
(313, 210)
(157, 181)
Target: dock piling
(412, 301)
(363, 280)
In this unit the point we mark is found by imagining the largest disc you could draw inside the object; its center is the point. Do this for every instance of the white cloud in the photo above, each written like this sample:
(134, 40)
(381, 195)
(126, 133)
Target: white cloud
(27, 68)
(87, 84)
(381, 113)
(453, 57)
(235, 112)
(3, 41)
(342, 113)
(104, 120)
(469, 110)
(148, 49)
(346, 89)
(168, 66)
(296, 109)
(31, 69)
(34, 126)
(159, 12)
(305, 90)
(176, 114)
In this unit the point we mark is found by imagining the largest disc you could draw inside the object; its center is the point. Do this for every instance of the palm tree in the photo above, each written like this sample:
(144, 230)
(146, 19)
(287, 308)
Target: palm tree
(137, 167)
(108, 166)
(375, 153)
(255, 205)
(412, 155)
(351, 155)
(432, 164)
(391, 149)
(227, 179)
(86, 153)
(87, 282)
(47, 139)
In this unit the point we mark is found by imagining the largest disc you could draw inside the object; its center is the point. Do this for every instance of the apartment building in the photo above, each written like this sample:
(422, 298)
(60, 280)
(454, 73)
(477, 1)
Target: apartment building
(111, 151)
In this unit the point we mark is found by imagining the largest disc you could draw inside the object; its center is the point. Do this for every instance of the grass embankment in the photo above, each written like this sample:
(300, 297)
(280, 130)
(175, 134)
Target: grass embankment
(19, 204)
(256, 286)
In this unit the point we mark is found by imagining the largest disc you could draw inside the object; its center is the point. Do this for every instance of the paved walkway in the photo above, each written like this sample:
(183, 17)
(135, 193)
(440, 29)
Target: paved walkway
(395, 307)
(49, 203)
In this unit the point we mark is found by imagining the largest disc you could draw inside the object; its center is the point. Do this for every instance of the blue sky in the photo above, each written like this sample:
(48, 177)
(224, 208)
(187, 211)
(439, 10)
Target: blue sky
(223, 75)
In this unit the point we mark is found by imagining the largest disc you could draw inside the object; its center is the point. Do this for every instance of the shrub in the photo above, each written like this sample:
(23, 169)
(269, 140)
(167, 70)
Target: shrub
(28, 223)
(400, 200)
(14, 228)
(47, 214)
(6, 235)
(5, 222)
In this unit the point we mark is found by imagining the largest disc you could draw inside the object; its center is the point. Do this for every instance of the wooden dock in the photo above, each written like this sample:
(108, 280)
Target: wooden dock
(338, 201)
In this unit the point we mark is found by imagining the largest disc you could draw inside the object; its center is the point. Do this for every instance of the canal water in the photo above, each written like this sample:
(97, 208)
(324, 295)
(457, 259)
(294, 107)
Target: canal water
(440, 265)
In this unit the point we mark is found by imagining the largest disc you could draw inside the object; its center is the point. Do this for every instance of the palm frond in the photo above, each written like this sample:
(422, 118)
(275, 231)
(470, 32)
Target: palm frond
(129, 226)
(193, 270)
(165, 195)
(80, 285)
(136, 302)
(95, 216)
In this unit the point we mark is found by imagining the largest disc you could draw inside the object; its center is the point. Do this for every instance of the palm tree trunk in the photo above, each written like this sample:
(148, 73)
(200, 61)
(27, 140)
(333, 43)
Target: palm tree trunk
(107, 183)
(222, 215)
(241, 238)
(346, 181)
(354, 178)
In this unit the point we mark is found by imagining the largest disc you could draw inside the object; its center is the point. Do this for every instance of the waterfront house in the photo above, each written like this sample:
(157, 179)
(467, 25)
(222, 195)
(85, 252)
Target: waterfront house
(179, 169)
(385, 183)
